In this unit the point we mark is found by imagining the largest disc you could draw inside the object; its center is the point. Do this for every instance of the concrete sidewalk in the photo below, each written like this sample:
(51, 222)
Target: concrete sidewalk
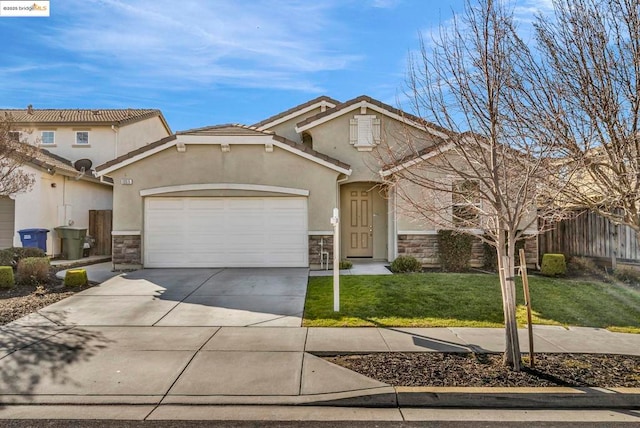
(162, 338)
(56, 364)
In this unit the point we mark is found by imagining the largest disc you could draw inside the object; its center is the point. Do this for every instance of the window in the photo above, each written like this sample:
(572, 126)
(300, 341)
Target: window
(48, 137)
(466, 204)
(364, 132)
(82, 137)
(14, 136)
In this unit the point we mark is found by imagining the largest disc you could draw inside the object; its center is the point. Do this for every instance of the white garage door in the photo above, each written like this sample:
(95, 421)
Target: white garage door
(7, 215)
(225, 232)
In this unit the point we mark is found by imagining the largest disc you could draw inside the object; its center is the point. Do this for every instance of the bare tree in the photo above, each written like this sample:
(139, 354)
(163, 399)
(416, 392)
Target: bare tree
(489, 176)
(14, 153)
(592, 48)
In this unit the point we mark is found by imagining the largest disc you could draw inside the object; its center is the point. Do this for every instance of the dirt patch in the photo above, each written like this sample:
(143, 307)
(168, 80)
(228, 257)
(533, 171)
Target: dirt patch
(24, 299)
(487, 370)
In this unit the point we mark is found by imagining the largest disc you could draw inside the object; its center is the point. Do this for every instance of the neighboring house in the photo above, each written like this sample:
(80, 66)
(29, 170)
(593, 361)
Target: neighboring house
(71, 142)
(263, 195)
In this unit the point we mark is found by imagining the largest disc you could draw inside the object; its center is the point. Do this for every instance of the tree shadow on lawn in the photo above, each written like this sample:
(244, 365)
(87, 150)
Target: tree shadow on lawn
(31, 354)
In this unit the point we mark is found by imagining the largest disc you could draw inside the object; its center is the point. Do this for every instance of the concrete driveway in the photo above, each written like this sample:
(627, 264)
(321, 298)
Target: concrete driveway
(271, 297)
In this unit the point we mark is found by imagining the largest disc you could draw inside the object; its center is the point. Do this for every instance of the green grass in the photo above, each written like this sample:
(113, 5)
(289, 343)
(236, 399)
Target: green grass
(467, 300)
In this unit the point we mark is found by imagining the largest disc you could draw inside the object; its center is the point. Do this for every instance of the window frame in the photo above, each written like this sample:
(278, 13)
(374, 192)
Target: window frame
(458, 221)
(77, 143)
(42, 139)
(14, 136)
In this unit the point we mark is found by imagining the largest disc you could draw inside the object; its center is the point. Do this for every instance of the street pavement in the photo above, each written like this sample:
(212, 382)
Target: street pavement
(164, 340)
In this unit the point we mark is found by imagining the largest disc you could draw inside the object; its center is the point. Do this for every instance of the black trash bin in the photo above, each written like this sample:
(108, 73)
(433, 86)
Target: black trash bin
(36, 238)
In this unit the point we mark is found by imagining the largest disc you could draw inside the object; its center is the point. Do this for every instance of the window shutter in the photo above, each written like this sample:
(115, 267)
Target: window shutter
(353, 125)
(364, 131)
(376, 130)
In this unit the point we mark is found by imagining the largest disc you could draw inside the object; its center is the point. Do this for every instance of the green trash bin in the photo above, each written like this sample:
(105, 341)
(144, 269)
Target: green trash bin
(72, 241)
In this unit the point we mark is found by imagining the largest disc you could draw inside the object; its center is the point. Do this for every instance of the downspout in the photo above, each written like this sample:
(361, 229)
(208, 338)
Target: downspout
(115, 129)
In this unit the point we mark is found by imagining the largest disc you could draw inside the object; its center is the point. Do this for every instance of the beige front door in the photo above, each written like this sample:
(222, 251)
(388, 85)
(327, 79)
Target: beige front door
(358, 220)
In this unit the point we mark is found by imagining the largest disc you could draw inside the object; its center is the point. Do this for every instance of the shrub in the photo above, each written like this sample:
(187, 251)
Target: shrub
(76, 278)
(404, 264)
(33, 270)
(490, 261)
(580, 266)
(345, 264)
(454, 250)
(627, 274)
(11, 256)
(553, 265)
(6, 277)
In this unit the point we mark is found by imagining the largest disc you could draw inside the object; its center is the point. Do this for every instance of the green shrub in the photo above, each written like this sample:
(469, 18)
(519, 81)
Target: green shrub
(553, 265)
(404, 264)
(6, 277)
(490, 261)
(345, 264)
(33, 270)
(11, 256)
(76, 278)
(454, 250)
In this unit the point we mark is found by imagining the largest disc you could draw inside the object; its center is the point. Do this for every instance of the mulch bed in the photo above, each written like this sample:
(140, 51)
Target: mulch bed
(487, 370)
(24, 299)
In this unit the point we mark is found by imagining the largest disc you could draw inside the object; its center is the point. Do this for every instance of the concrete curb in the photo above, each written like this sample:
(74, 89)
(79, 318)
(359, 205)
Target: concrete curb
(522, 398)
(385, 397)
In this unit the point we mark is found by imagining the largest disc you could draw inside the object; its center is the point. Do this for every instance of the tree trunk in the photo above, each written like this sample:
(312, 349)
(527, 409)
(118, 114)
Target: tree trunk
(508, 287)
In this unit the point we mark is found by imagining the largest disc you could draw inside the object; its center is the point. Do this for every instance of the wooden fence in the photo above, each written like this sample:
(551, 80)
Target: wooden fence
(100, 230)
(587, 234)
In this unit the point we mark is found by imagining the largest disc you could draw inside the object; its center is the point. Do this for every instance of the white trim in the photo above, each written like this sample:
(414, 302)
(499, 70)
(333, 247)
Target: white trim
(223, 186)
(374, 108)
(125, 232)
(223, 140)
(414, 161)
(76, 143)
(320, 232)
(136, 158)
(313, 158)
(322, 105)
(42, 143)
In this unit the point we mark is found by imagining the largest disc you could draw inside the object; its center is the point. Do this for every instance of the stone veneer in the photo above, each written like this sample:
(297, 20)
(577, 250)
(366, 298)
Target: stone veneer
(127, 250)
(314, 248)
(425, 249)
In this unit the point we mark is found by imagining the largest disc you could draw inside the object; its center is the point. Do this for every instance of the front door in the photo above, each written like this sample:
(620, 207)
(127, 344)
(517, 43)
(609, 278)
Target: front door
(358, 220)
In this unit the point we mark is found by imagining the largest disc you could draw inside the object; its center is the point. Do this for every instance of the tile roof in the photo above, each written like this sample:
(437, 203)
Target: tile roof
(375, 102)
(296, 108)
(45, 159)
(225, 130)
(228, 129)
(83, 116)
(136, 152)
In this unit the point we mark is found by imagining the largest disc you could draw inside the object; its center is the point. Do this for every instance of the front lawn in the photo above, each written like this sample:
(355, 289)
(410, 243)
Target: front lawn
(467, 300)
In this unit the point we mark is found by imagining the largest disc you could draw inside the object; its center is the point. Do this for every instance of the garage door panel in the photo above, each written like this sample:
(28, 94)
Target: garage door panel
(219, 232)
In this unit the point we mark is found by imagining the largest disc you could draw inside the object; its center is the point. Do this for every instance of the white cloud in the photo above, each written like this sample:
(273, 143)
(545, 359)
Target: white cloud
(257, 44)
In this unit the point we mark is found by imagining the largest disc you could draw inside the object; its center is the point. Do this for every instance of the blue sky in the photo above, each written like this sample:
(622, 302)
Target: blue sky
(217, 61)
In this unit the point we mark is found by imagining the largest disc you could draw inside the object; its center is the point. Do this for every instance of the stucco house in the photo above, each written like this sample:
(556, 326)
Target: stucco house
(71, 142)
(263, 195)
